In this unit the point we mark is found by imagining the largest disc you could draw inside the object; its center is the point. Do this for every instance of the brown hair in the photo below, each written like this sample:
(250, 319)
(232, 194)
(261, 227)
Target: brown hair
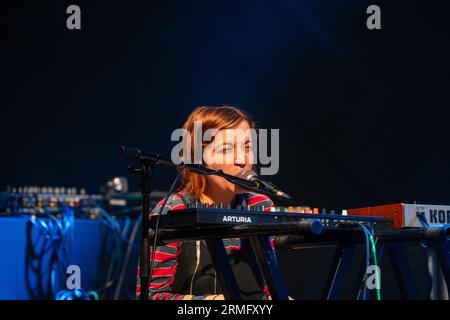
(223, 117)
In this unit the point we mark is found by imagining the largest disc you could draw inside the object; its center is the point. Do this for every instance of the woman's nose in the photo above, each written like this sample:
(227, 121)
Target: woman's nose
(239, 158)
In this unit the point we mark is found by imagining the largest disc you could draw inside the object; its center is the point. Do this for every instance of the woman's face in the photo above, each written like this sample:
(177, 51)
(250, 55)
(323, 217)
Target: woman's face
(231, 151)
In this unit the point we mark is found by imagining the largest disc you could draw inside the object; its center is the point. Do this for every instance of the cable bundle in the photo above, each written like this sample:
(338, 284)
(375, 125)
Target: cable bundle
(371, 248)
(76, 294)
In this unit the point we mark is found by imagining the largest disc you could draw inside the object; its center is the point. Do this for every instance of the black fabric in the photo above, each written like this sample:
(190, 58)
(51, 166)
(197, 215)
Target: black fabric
(205, 280)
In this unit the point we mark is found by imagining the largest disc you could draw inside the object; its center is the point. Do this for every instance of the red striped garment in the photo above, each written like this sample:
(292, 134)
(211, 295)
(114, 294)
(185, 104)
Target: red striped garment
(166, 257)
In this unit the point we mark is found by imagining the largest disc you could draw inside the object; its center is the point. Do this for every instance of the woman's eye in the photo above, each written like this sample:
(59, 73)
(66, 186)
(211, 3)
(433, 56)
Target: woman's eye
(224, 149)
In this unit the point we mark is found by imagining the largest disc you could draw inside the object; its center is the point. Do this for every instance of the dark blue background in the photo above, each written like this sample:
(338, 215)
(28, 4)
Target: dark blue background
(363, 115)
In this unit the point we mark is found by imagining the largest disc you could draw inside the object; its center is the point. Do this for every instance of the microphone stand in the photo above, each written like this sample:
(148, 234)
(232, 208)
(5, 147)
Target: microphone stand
(246, 184)
(144, 172)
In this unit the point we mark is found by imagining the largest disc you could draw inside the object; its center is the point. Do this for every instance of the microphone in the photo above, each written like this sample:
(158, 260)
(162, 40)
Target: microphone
(252, 176)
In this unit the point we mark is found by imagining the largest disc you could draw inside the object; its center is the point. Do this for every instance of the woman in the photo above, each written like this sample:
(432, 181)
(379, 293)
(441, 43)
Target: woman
(184, 270)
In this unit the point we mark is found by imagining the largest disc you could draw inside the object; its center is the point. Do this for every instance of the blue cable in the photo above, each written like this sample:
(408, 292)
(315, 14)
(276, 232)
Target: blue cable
(56, 230)
(76, 294)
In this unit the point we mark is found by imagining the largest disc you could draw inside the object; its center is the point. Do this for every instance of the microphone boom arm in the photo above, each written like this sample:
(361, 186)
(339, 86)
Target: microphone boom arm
(257, 186)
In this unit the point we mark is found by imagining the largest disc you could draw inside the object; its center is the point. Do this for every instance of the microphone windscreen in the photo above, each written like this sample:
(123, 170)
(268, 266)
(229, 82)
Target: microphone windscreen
(247, 174)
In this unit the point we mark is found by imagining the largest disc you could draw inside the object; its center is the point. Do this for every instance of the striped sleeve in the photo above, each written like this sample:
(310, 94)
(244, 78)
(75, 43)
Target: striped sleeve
(256, 200)
(166, 261)
(174, 203)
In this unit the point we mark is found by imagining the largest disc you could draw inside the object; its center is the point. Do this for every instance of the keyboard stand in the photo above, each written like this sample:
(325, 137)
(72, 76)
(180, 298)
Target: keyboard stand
(268, 264)
(341, 262)
(442, 250)
(262, 252)
(338, 270)
(223, 268)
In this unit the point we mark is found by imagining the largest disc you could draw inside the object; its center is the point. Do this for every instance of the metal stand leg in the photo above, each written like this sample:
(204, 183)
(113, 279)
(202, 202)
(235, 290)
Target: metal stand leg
(262, 253)
(442, 250)
(338, 270)
(268, 264)
(402, 272)
(222, 265)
